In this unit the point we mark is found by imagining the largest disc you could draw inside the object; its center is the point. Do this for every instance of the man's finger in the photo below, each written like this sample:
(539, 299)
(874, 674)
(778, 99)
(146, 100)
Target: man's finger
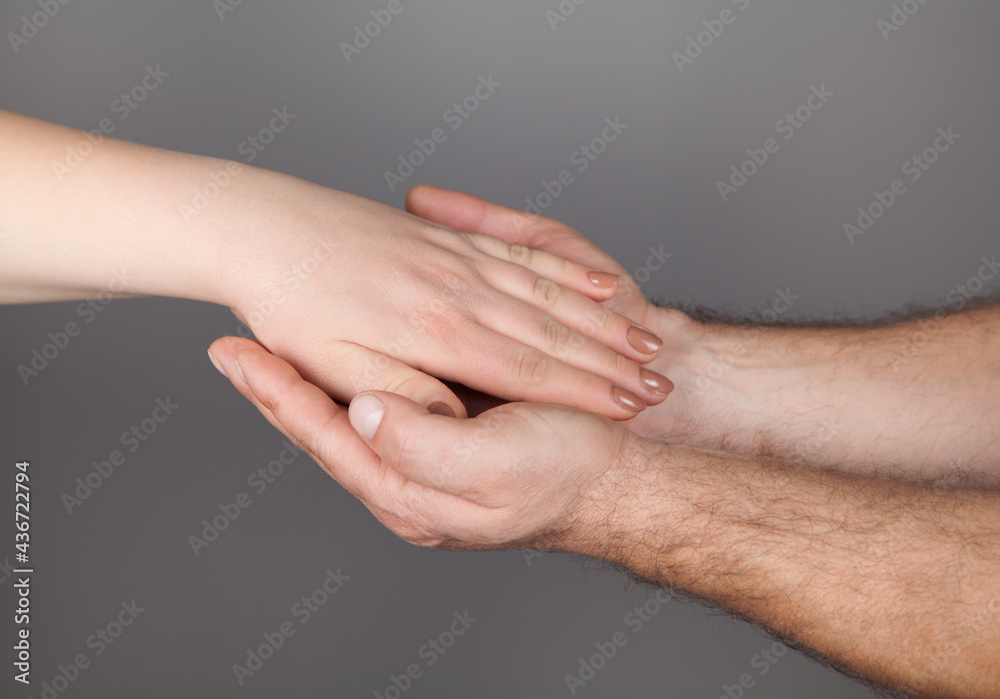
(306, 415)
(435, 451)
(471, 214)
(223, 353)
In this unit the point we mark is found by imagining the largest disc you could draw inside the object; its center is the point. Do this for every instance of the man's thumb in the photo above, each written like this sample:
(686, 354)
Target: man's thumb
(406, 435)
(381, 418)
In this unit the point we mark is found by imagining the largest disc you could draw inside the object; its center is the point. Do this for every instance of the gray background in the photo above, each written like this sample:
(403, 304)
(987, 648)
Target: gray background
(654, 186)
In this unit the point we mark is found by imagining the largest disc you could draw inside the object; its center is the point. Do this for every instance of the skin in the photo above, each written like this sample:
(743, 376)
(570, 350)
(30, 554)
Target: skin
(839, 542)
(355, 295)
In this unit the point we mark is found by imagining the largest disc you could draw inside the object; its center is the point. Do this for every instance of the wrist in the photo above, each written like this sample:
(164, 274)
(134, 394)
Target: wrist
(274, 231)
(626, 507)
(734, 383)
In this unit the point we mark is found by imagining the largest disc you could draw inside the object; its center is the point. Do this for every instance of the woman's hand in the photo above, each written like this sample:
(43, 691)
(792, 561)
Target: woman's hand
(468, 213)
(360, 296)
(356, 295)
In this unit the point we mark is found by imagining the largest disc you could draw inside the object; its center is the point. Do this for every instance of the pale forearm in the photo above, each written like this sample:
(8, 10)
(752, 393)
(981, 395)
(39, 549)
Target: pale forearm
(894, 580)
(113, 220)
(918, 396)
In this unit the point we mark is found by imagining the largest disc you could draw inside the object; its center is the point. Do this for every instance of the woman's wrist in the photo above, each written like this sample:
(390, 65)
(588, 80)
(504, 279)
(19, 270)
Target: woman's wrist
(274, 232)
(114, 224)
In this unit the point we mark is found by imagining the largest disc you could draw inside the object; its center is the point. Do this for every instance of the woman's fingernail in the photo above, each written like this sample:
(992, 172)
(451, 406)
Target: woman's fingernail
(215, 362)
(366, 414)
(657, 383)
(440, 408)
(603, 280)
(628, 400)
(643, 340)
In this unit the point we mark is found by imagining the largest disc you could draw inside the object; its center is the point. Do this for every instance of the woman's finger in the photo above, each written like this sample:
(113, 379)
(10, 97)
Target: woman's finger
(592, 283)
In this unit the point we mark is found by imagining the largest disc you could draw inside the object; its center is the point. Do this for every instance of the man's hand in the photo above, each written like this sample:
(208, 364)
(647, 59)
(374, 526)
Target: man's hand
(922, 397)
(522, 475)
(894, 580)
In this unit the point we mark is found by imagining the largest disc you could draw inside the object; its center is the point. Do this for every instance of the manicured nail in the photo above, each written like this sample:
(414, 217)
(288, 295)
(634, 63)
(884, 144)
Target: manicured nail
(366, 415)
(656, 383)
(215, 363)
(440, 408)
(628, 400)
(603, 280)
(643, 340)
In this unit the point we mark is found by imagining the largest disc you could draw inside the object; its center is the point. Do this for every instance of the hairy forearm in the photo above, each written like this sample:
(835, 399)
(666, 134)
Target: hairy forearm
(921, 397)
(894, 580)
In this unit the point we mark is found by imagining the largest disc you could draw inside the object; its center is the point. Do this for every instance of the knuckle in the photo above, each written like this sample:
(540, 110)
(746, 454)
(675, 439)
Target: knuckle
(447, 327)
(521, 255)
(566, 268)
(598, 321)
(531, 368)
(277, 399)
(456, 280)
(625, 369)
(406, 384)
(415, 533)
(546, 293)
(560, 340)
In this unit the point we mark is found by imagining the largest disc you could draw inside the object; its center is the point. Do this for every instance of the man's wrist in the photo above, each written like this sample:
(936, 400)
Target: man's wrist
(857, 398)
(738, 385)
(625, 507)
